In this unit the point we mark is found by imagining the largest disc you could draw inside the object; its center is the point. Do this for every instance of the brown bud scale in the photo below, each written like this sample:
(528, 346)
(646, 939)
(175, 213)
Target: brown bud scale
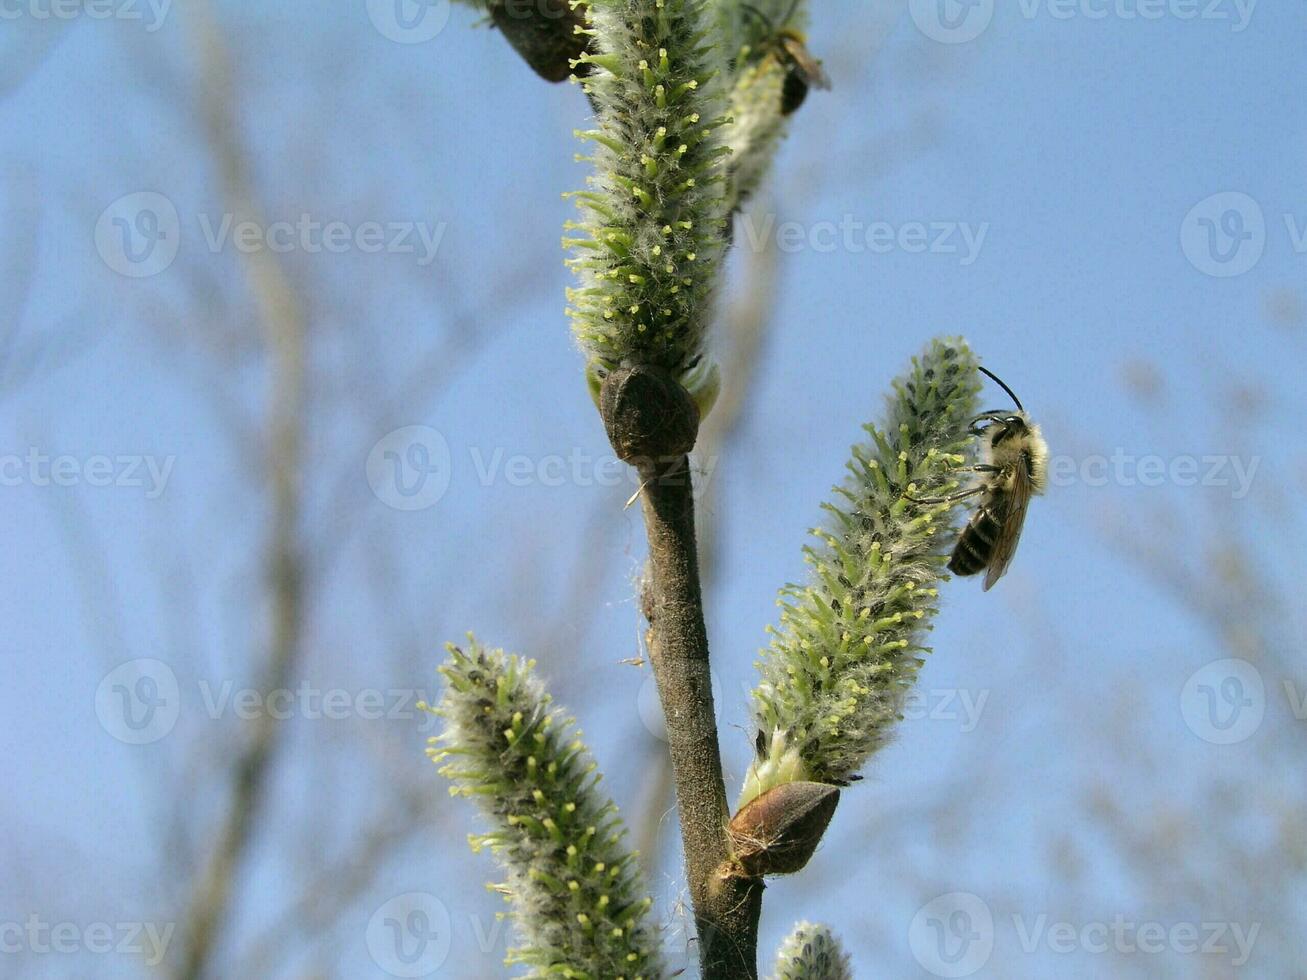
(544, 33)
(648, 414)
(778, 832)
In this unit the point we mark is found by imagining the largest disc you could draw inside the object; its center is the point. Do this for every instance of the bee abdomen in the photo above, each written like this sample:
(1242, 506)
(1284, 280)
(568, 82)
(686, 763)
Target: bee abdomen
(975, 547)
(794, 92)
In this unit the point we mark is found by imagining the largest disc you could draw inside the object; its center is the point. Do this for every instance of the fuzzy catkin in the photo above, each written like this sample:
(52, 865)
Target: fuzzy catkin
(758, 123)
(579, 904)
(653, 216)
(850, 642)
(757, 126)
(811, 952)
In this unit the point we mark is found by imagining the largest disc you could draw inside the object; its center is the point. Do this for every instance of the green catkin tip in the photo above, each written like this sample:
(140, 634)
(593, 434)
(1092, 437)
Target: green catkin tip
(811, 952)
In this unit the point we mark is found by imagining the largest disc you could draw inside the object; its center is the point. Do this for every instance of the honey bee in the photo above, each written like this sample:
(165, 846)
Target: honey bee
(1014, 465)
(790, 48)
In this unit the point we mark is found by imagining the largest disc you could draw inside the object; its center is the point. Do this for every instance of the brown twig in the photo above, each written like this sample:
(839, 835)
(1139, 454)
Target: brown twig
(653, 424)
(745, 326)
(727, 904)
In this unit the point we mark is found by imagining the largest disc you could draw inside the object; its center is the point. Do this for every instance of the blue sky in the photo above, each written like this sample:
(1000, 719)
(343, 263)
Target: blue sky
(1083, 154)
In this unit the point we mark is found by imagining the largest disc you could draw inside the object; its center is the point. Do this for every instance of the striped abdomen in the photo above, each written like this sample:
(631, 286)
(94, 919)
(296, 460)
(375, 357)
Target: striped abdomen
(975, 547)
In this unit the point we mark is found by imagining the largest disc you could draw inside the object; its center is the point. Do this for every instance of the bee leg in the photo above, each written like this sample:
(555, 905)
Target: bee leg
(950, 499)
(985, 468)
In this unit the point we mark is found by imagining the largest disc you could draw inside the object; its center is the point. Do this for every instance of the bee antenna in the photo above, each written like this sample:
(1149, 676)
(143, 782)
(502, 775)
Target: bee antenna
(1003, 384)
(750, 8)
(771, 25)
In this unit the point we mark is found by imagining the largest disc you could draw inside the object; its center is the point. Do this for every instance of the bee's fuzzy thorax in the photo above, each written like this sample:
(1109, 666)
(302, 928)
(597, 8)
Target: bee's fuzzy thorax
(1022, 444)
(1038, 449)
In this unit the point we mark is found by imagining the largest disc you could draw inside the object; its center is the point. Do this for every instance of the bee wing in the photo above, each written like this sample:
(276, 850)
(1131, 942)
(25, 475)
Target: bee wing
(817, 74)
(810, 66)
(1011, 519)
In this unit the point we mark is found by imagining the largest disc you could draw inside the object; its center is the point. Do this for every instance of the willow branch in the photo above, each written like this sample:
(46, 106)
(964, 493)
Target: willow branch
(652, 423)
